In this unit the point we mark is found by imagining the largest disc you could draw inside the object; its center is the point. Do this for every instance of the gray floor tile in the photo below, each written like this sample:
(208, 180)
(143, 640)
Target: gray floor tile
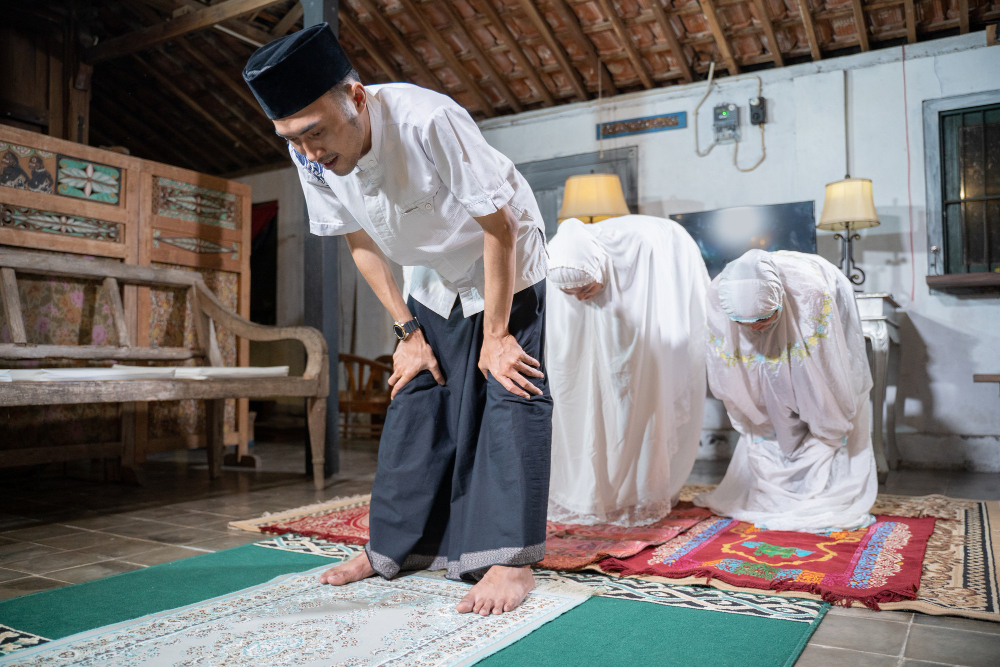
(80, 539)
(163, 555)
(975, 485)
(149, 529)
(7, 575)
(921, 663)
(822, 656)
(201, 520)
(97, 522)
(19, 587)
(113, 546)
(957, 623)
(955, 647)
(78, 575)
(883, 637)
(11, 521)
(18, 551)
(56, 561)
(866, 613)
(228, 541)
(39, 533)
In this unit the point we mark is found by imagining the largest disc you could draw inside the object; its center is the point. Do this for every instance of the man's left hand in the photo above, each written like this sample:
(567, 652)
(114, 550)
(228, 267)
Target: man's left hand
(503, 357)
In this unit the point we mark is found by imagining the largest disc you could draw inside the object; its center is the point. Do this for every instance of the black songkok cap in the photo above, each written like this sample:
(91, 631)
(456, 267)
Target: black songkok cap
(292, 72)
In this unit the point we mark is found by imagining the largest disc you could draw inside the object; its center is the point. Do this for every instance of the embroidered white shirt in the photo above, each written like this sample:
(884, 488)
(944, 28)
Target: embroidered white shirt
(416, 193)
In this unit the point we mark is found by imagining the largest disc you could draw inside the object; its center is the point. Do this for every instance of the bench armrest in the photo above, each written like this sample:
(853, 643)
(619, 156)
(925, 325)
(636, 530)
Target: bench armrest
(317, 357)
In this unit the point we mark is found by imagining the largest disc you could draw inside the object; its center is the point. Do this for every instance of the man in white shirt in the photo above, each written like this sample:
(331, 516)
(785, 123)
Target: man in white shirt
(405, 175)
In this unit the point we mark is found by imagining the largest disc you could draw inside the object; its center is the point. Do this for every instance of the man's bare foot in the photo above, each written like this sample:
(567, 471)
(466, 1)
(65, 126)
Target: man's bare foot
(356, 569)
(501, 589)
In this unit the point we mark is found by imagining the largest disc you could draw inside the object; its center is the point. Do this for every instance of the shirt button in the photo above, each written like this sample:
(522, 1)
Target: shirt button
(428, 206)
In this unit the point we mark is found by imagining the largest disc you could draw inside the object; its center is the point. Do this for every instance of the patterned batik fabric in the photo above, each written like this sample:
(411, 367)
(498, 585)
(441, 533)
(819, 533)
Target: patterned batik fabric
(874, 565)
(295, 620)
(12, 640)
(573, 547)
(348, 525)
(604, 585)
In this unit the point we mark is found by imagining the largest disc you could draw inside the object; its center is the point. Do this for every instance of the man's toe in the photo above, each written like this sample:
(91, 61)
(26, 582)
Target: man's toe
(466, 604)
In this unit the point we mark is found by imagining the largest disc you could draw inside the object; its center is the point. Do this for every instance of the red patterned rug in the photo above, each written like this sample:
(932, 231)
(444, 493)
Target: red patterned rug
(878, 564)
(567, 546)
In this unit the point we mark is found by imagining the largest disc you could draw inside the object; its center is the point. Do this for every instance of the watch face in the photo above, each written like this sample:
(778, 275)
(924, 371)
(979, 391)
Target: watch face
(398, 330)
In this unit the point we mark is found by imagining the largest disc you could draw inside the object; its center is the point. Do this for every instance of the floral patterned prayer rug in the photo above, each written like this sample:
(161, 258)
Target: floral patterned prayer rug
(295, 620)
(878, 564)
(567, 546)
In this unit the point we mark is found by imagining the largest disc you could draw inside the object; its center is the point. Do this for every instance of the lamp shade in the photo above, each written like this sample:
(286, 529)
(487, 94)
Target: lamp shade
(849, 205)
(593, 197)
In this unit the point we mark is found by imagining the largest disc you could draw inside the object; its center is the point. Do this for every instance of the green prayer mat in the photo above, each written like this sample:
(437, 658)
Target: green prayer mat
(626, 630)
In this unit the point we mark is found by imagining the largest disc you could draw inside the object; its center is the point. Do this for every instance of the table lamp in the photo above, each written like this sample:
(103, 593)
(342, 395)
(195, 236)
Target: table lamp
(593, 197)
(848, 207)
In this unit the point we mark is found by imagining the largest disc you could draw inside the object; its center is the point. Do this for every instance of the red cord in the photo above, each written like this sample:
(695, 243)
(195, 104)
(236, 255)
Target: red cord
(909, 189)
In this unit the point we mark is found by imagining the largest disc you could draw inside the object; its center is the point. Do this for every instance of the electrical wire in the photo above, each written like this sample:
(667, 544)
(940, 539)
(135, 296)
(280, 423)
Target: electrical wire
(708, 89)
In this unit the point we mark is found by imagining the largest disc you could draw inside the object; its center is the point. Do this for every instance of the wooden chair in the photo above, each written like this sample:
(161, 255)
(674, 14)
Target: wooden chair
(366, 392)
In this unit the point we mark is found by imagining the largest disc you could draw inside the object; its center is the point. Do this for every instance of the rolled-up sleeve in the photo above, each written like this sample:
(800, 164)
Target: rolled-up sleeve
(327, 215)
(477, 174)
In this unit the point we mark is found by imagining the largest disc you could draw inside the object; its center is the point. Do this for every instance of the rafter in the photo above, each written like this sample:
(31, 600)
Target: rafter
(708, 7)
(156, 34)
(358, 35)
(810, 29)
(859, 24)
(458, 24)
(239, 89)
(170, 86)
(397, 40)
(284, 26)
(572, 22)
(434, 35)
(487, 8)
(675, 46)
(625, 37)
(911, 21)
(545, 30)
(963, 16)
(772, 40)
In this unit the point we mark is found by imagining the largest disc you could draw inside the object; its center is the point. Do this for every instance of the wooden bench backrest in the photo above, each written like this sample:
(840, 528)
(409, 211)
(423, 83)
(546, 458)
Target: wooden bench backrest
(112, 275)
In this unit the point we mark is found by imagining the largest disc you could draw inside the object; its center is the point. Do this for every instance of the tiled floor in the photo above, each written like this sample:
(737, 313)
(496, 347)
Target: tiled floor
(61, 527)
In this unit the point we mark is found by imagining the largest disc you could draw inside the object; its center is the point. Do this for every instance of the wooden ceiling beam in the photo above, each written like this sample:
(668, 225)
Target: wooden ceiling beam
(486, 7)
(963, 16)
(357, 34)
(675, 46)
(708, 7)
(810, 29)
(399, 42)
(162, 32)
(284, 26)
(859, 24)
(572, 22)
(772, 41)
(196, 143)
(434, 35)
(558, 51)
(625, 37)
(458, 24)
(170, 86)
(911, 21)
(238, 88)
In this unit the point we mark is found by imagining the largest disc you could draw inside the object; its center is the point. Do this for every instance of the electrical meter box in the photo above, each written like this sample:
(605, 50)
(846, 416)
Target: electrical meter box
(727, 123)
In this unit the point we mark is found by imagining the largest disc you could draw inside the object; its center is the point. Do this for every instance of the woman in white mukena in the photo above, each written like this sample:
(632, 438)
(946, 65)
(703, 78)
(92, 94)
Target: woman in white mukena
(626, 355)
(787, 357)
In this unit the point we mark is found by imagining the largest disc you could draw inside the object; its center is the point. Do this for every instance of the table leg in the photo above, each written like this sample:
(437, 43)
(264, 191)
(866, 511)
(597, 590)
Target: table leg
(879, 336)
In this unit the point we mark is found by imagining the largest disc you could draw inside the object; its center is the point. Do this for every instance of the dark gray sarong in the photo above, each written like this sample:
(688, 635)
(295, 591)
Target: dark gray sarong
(463, 469)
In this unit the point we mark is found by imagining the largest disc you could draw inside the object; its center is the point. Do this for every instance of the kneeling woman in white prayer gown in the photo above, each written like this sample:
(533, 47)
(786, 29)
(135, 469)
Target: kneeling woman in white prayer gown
(787, 357)
(625, 351)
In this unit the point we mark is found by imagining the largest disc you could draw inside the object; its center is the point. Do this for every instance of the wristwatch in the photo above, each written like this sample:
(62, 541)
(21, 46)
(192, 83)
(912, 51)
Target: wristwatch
(403, 331)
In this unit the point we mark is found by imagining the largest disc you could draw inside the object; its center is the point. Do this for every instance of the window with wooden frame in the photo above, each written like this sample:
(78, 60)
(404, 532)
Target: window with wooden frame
(962, 146)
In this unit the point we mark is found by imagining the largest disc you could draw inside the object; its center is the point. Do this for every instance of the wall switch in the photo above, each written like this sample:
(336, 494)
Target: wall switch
(758, 111)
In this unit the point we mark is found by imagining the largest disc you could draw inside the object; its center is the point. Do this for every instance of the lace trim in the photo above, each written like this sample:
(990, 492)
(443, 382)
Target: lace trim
(637, 515)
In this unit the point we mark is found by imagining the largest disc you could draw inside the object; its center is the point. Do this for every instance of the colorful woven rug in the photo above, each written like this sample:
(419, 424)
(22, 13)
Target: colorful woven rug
(296, 620)
(878, 564)
(567, 546)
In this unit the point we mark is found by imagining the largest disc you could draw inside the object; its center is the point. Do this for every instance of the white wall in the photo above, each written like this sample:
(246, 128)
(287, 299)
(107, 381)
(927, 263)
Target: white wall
(945, 419)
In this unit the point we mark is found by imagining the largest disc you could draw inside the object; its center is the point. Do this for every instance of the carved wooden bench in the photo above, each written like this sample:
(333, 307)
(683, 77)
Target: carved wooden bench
(313, 385)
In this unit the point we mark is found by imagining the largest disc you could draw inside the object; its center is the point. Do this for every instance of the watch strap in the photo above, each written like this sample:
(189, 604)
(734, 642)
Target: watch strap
(406, 328)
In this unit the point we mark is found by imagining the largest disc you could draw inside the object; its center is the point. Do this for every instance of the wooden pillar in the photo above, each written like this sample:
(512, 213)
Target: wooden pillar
(321, 288)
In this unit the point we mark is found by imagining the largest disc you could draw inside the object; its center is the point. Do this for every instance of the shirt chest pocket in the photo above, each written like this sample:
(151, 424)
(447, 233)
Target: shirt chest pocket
(424, 222)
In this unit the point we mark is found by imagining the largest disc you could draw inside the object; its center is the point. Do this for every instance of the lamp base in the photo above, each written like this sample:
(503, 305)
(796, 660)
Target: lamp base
(847, 265)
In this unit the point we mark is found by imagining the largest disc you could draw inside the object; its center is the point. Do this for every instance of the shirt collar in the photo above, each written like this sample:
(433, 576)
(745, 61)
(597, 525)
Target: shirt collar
(369, 160)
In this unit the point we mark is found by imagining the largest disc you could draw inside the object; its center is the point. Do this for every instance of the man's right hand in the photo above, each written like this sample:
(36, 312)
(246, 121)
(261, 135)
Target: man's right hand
(412, 356)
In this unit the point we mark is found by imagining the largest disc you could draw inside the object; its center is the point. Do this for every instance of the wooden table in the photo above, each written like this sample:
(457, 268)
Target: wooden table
(881, 329)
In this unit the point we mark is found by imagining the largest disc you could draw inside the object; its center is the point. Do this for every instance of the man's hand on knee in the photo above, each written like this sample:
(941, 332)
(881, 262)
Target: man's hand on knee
(412, 356)
(503, 357)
